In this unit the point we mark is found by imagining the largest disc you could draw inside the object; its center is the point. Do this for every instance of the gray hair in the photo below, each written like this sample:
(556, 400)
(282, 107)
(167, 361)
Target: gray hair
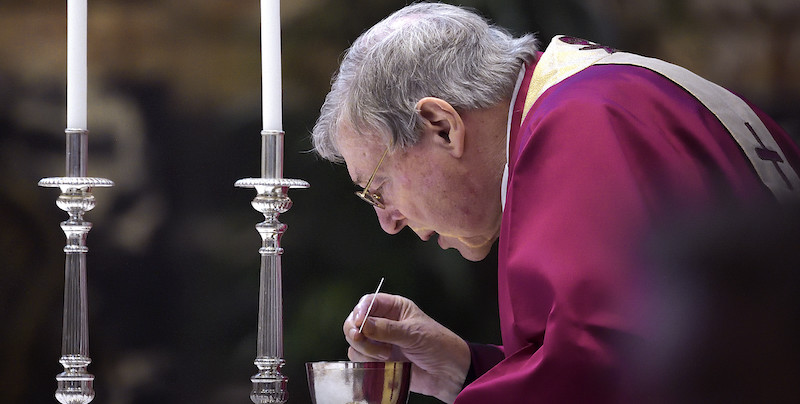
(423, 50)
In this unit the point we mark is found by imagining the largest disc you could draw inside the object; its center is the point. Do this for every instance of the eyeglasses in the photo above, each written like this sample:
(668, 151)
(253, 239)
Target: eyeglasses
(373, 198)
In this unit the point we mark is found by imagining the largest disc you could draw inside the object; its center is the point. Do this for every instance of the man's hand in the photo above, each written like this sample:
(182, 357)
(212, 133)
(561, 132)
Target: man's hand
(397, 330)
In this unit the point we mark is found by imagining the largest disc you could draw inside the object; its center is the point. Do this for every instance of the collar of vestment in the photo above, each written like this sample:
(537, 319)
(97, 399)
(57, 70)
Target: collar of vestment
(515, 111)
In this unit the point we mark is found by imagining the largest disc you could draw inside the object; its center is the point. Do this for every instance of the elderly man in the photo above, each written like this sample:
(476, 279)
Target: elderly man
(569, 157)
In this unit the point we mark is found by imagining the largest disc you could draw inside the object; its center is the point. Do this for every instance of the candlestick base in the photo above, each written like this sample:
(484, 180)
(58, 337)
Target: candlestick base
(75, 383)
(269, 385)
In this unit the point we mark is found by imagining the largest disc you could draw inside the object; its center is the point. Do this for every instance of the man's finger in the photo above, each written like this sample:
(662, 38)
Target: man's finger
(386, 306)
(399, 333)
(372, 349)
(356, 356)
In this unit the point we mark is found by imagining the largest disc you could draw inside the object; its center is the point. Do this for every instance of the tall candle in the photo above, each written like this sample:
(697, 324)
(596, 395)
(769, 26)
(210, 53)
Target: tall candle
(76, 64)
(271, 64)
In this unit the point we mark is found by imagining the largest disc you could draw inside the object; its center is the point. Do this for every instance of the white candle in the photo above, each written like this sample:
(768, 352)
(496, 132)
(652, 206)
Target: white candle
(271, 64)
(76, 64)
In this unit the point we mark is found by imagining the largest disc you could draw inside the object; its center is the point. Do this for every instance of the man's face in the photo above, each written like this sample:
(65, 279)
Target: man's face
(429, 191)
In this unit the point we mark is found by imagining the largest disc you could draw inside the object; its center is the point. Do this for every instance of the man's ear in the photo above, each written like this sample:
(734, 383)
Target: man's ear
(443, 124)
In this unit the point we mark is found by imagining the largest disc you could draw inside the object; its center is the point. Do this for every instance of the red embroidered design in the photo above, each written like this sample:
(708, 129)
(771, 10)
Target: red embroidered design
(588, 45)
(769, 155)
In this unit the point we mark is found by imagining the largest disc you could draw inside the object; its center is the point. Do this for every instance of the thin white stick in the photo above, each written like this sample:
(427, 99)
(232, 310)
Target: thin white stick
(370, 305)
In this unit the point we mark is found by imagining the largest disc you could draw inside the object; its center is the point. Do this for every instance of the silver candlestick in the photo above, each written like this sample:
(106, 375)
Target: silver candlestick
(75, 383)
(269, 385)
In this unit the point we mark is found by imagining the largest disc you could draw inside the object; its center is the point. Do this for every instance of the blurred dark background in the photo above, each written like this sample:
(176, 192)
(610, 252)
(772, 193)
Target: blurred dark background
(174, 120)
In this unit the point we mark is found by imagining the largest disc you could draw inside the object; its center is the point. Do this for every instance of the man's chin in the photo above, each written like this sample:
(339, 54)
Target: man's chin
(469, 252)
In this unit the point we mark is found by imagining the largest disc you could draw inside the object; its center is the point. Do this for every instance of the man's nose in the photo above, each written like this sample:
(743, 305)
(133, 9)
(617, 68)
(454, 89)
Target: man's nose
(391, 220)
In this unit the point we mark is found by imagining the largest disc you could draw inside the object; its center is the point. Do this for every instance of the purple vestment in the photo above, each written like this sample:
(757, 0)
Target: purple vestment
(598, 162)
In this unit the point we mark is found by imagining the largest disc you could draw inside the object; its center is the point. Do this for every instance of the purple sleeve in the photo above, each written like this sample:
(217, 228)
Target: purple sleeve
(484, 357)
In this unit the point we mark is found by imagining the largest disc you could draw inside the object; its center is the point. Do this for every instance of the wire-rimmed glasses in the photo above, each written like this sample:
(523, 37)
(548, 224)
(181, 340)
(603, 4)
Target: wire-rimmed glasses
(373, 198)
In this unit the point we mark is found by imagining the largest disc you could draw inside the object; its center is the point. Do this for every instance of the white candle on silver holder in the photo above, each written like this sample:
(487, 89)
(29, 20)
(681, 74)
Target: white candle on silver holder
(269, 384)
(75, 385)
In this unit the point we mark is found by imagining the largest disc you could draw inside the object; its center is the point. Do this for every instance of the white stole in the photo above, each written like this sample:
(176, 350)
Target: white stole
(563, 59)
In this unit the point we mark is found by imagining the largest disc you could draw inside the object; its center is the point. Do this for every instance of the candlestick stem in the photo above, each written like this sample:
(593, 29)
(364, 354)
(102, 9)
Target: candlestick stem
(271, 154)
(269, 385)
(75, 383)
(77, 152)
